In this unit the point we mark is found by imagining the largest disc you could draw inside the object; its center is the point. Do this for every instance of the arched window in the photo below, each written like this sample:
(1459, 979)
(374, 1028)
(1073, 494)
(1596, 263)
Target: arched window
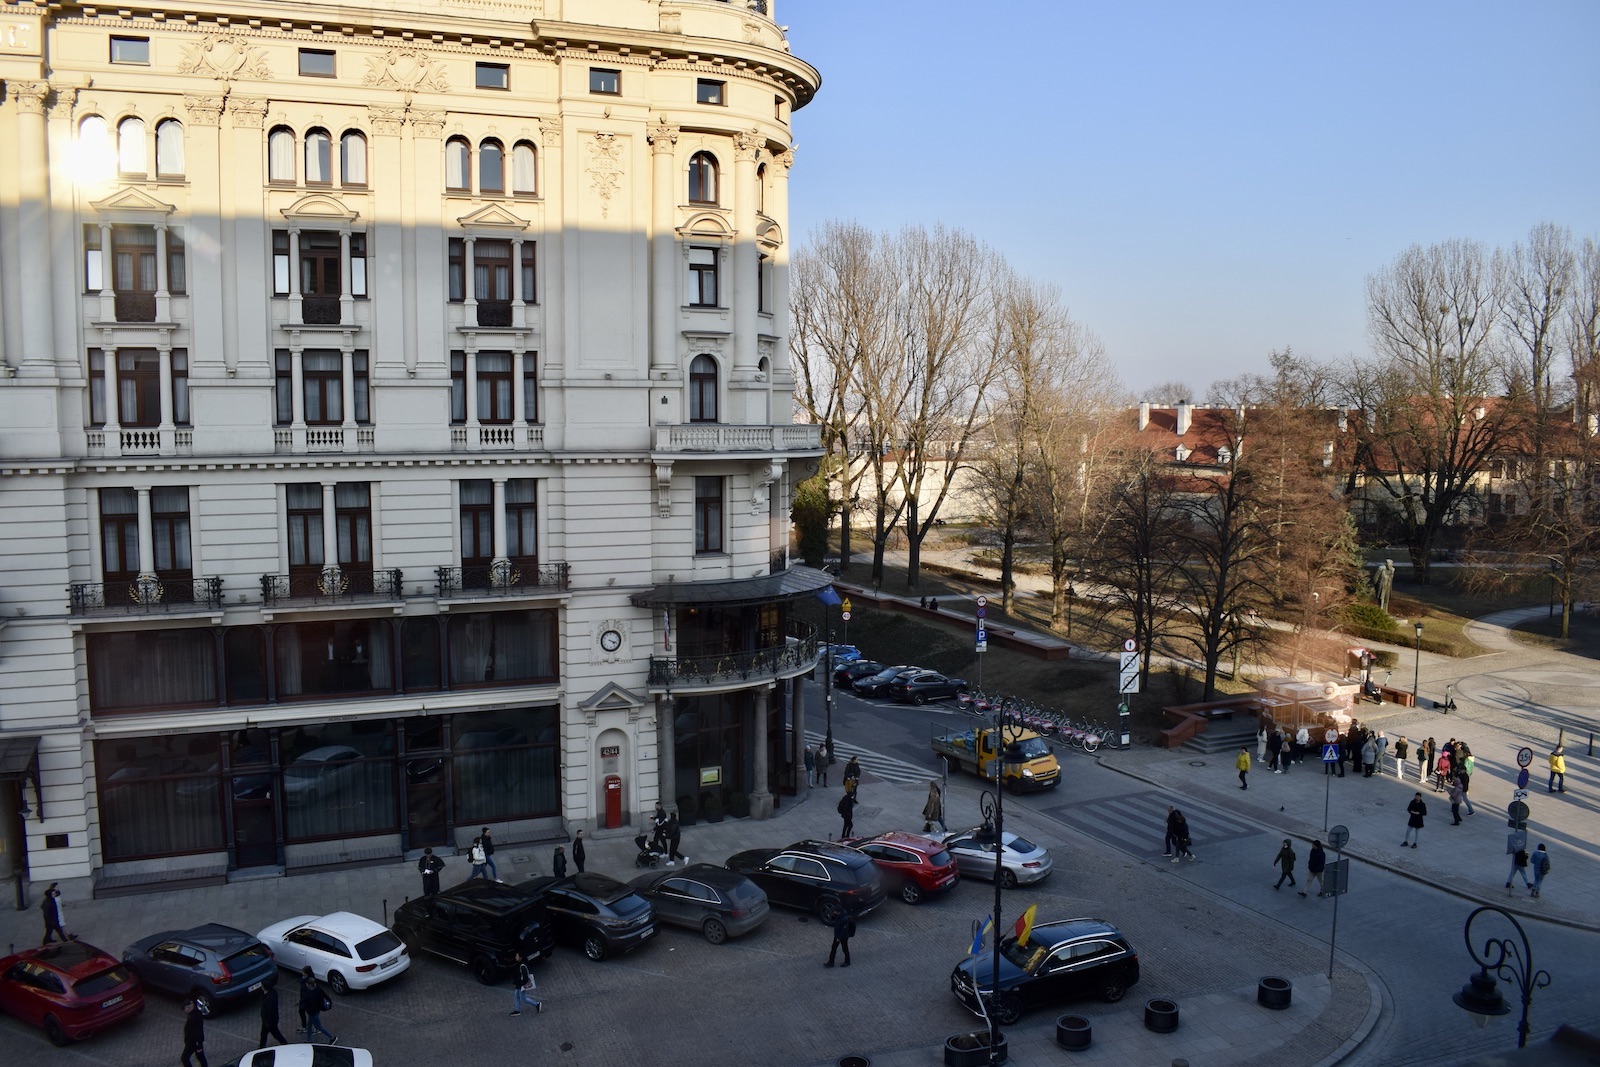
(96, 159)
(319, 158)
(703, 389)
(353, 158)
(132, 154)
(524, 170)
(491, 167)
(458, 165)
(703, 178)
(761, 189)
(169, 149)
(280, 155)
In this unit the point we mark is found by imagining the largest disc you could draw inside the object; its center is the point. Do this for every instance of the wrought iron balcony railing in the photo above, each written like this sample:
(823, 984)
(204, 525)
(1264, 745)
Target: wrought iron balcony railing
(331, 587)
(506, 579)
(160, 594)
(796, 655)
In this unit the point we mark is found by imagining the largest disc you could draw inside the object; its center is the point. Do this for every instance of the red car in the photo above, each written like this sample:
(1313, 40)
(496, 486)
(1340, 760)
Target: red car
(911, 865)
(71, 990)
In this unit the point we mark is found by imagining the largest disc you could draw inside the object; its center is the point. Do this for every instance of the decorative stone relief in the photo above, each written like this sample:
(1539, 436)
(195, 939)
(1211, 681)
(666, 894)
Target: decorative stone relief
(605, 169)
(746, 143)
(761, 485)
(785, 159)
(226, 57)
(662, 137)
(664, 490)
(29, 96)
(388, 120)
(62, 99)
(246, 112)
(409, 70)
(428, 122)
(550, 133)
(752, 32)
(203, 110)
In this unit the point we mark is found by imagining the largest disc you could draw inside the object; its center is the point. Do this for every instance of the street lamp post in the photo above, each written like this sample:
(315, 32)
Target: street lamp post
(1416, 677)
(1508, 960)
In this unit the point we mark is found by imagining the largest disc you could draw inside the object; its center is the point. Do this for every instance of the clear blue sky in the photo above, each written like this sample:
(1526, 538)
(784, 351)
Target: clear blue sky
(1205, 182)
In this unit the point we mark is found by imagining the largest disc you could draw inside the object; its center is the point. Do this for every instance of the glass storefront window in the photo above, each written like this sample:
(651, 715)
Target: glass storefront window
(245, 658)
(495, 647)
(324, 658)
(419, 654)
(506, 765)
(159, 796)
(338, 780)
(156, 668)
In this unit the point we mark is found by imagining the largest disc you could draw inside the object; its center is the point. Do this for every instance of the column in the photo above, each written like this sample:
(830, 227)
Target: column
(66, 235)
(519, 403)
(113, 404)
(552, 267)
(665, 296)
(148, 587)
(108, 295)
(163, 296)
(519, 299)
(500, 565)
(164, 375)
(332, 579)
(297, 399)
(246, 252)
(469, 293)
(203, 228)
(778, 208)
(744, 296)
(296, 299)
(32, 171)
(667, 741)
(761, 797)
(423, 238)
(473, 438)
(347, 379)
(797, 715)
(347, 312)
(386, 234)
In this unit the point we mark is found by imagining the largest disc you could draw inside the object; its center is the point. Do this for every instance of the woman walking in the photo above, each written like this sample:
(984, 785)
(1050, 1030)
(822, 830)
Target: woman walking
(933, 810)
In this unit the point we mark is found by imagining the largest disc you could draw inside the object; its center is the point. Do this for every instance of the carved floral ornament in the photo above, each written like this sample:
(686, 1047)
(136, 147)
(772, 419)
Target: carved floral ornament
(605, 169)
(410, 70)
(226, 57)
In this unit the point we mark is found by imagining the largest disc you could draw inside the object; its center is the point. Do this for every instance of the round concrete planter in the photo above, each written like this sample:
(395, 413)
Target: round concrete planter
(972, 1049)
(1073, 1033)
(854, 1061)
(1274, 993)
(1161, 1016)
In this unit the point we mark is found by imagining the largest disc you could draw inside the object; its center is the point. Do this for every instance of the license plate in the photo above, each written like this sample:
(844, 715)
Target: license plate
(256, 988)
(388, 963)
(109, 1003)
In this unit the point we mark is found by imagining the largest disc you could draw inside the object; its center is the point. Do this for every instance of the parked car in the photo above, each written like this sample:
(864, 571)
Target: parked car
(211, 964)
(595, 912)
(834, 655)
(69, 990)
(846, 674)
(912, 866)
(1021, 861)
(1062, 961)
(877, 685)
(304, 1056)
(929, 685)
(713, 900)
(479, 924)
(816, 876)
(346, 950)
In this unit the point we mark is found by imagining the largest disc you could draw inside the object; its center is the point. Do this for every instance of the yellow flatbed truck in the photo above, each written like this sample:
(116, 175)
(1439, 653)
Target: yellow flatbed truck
(1027, 763)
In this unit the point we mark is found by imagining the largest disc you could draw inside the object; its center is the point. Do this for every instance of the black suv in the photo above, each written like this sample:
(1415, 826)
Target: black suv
(817, 876)
(595, 912)
(478, 923)
(1062, 961)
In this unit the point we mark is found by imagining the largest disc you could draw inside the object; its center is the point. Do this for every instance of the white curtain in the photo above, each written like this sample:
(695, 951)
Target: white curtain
(280, 156)
(523, 170)
(132, 157)
(319, 165)
(353, 159)
(169, 148)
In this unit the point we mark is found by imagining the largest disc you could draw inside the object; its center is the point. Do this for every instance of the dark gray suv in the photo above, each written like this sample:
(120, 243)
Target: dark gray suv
(211, 964)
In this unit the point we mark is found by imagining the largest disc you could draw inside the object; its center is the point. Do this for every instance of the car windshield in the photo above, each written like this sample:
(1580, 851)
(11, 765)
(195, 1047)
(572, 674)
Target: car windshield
(1029, 748)
(940, 858)
(245, 958)
(378, 945)
(1022, 844)
(104, 982)
(1027, 957)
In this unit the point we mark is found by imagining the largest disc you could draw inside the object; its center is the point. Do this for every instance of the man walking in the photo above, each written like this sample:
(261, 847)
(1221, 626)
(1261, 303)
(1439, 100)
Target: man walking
(1457, 795)
(1315, 865)
(430, 866)
(1181, 838)
(1519, 866)
(488, 854)
(1541, 867)
(847, 809)
(1243, 763)
(811, 766)
(1274, 751)
(522, 989)
(194, 1035)
(1285, 864)
(1417, 811)
(480, 861)
(1402, 752)
(1465, 767)
(844, 928)
(269, 1017)
(674, 834)
(1558, 770)
(313, 1001)
(1170, 842)
(51, 910)
(578, 852)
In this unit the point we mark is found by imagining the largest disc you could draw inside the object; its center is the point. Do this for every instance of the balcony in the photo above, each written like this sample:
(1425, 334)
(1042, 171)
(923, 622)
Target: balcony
(323, 439)
(320, 310)
(135, 307)
(496, 437)
(494, 313)
(331, 586)
(797, 655)
(162, 595)
(505, 580)
(714, 437)
(140, 442)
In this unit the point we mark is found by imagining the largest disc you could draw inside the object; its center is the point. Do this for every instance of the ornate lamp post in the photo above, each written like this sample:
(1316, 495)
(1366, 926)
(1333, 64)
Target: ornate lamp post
(1001, 743)
(1506, 959)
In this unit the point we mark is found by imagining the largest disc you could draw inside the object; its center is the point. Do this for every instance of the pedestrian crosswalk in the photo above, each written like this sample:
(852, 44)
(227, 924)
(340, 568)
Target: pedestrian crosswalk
(873, 763)
(1137, 822)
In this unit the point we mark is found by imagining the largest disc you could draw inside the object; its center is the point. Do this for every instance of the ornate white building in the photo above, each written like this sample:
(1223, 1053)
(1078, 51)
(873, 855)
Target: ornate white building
(395, 427)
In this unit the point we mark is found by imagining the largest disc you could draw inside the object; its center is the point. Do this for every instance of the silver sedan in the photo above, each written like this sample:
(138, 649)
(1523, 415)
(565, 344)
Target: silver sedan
(1021, 861)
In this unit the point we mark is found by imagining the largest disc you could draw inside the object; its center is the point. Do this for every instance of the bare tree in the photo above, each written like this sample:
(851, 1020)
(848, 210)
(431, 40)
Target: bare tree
(1134, 552)
(1583, 331)
(1539, 278)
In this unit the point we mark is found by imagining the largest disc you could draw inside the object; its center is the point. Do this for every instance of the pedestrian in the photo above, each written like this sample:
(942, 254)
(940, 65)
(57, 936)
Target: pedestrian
(488, 854)
(658, 835)
(852, 775)
(1457, 795)
(674, 834)
(1261, 744)
(1182, 827)
(933, 810)
(558, 864)
(314, 1001)
(430, 866)
(1302, 742)
(1541, 867)
(847, 808)
(1243, 763)
(269, 1017)
(933, 605)
(1285, 864)
(1274, 751)
(1464, 770)
(578, 852)
(1430, 760)
(522, 987)
(1558, 769)
(811, 766)
(1402, 752)
(922, 602)
(1519, 866)
(844, 928)
(1443, 768)
(822, 766)
(1316, 863)
(194, 1034)
(1417, 811)
(1383, 747)
(1369, 756)
(479, 860)
(50, 908)
(1170, 842)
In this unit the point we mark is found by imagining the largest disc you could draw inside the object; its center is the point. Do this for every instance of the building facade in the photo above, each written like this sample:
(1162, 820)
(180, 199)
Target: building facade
(395, 427)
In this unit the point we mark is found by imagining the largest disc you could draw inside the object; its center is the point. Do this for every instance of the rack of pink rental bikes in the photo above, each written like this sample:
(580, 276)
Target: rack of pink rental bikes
(1081, 734)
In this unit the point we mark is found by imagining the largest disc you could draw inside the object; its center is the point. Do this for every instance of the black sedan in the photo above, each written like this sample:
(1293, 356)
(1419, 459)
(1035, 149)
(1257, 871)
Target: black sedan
(929, 685)
(1062, 961)
(877, 685)
(211, 964)
(816, 876)
(595, 912)
(713, 900)
(846, 675)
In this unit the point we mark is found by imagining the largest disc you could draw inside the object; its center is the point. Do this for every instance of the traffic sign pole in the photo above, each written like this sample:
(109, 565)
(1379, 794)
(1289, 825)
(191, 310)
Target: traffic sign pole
(981, 645)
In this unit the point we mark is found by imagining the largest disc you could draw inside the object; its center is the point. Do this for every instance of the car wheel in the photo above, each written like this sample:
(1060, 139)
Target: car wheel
(1008, 1009)
(715, 932)
(829, 909)
(911, 893)
(1008, 879)
(1114, 990)
(203, 998)
(337, 981)
(484, 970)
(52, 1029)
(594, 946)
(919, 699)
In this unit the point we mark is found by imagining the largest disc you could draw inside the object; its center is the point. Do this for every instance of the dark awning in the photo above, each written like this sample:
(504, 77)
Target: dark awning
(18, 756)
(785, 585)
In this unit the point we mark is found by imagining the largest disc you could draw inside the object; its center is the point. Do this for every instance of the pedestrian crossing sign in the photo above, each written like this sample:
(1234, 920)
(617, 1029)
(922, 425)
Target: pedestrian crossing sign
(1330, 753)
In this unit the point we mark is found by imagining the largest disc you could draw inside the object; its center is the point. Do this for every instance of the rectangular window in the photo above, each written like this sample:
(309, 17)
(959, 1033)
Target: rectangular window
(93, 260)
(316, 63)
(138, 387)
(528, 289)
(707, 91)
(605, 81)
(283, 392)
(177, 262)
(322, 374)
(358, 265)
(169, 527)
(152, 669)
(763, 277)
(363, 387)
(458, 388)
(491, 271)
(507, 765)
(180, 386)
(494, 647)
(119, 535)
(319, 263)
(458, 270)
(280, 262)
(133, 259)
(494, 76)
(494, 387)
(321, 659)
(477, 526)
(97, 387)
(707, 515)
(703, 277)
(304, 512)
(352, 516)
(522, 522)
(530, 386)
(777, 108)
(148, 786)
(130, 50)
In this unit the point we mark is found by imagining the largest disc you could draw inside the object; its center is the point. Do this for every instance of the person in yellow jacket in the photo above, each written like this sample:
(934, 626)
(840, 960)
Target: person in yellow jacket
(1558, 769)
(1243, 763)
